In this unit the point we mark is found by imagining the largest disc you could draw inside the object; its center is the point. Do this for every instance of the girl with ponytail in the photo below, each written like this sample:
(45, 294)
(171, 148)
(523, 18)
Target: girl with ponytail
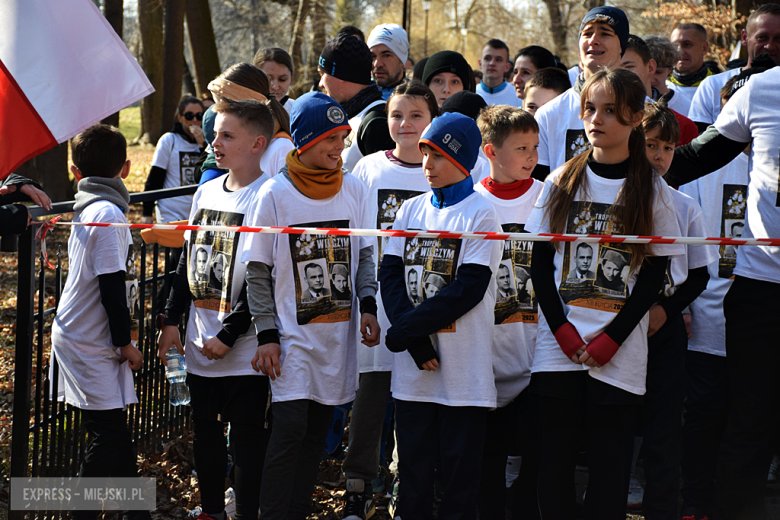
(245, 81)
(591, 351)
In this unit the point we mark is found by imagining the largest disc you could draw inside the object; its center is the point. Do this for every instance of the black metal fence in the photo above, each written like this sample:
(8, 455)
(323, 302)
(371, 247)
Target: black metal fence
(47, 439)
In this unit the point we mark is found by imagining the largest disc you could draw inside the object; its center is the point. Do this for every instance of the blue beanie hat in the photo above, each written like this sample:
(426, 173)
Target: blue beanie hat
(457, 137)
(314, 117)
(613, 17)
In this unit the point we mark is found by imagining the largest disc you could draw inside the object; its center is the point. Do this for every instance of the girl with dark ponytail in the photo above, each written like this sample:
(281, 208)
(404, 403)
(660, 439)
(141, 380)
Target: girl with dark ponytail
(245, 81)
(591, 351)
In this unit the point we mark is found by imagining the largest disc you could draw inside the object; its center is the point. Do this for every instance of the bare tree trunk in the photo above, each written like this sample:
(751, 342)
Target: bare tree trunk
(50, 170)
(205, 59)
(296, 40)
(174, 58)
(557, 27)
(187, 79)
(113, 10)
(318, 41)
(150, 21)
(590, 4)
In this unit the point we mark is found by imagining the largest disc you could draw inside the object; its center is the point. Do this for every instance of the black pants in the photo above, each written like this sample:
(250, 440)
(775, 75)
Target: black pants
(752, 308)
(241, 401)
(453, 436)
(575, 407)
(511, 430)
(661, 419)
(705, 420)
(110, 450)
(290, 471)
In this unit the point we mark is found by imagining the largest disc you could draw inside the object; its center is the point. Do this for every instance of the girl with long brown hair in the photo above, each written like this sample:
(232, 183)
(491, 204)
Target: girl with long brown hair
(591, 350)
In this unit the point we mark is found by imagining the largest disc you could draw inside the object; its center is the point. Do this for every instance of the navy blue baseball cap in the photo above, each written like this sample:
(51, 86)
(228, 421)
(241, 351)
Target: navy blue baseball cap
(613, 17)
(314, 117)
(457, 137)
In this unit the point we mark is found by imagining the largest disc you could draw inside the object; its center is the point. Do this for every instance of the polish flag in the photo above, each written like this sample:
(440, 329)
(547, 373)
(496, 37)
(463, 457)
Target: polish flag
(63, 68)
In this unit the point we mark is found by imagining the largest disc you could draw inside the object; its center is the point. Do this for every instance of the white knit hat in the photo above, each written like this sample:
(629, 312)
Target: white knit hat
(392, 35)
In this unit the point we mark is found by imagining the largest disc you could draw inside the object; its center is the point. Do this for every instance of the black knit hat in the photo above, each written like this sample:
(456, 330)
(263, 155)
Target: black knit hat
(464, 102)
(347, 58)
(448, 61)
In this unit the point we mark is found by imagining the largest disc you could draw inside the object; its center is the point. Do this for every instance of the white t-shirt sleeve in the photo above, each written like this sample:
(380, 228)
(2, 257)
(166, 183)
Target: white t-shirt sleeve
(700, 110)
(699, 256)
(537, 223)
(544, 146)
(276, 158)
(162, 153)
(480, 252)
(733, 120)
(259, 247)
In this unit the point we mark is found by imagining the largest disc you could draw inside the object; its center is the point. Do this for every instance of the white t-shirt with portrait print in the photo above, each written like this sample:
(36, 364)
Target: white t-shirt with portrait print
(753, 113)
(590, 304)
(90, 375)
(561, 132)
(178, 158)
(705, 105)
(723, 198)
(465, 373)
(216, 281)
(516, 317)
(390, 183)
(317, 328)
(691, 221)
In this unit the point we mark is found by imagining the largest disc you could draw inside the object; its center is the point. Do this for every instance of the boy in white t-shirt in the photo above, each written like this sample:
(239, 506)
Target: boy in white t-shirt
(93, 333)
(219, 345)
(510, 137)
(307, 337)
(444, 386)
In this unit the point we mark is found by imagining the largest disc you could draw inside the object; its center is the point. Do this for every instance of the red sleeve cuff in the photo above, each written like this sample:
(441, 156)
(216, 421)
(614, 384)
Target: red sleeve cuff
(569, 339)
(602, 349)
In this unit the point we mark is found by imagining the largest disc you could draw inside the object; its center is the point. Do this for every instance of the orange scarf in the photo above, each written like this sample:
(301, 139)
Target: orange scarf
(315, 184)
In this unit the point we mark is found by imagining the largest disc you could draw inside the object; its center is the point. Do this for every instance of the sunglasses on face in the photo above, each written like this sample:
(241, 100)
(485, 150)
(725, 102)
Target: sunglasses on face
(189, 116)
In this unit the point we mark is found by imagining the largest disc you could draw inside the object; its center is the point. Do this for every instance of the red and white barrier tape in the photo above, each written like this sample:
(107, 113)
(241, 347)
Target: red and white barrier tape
(530, 237)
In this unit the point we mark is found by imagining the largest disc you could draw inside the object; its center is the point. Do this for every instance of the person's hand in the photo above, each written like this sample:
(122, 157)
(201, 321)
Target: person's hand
(214, 349)
(369, 329)
(266, 360)
(147, 220)
(657, 319)
(687, 320)
(169, 335)
(36, 195)
(132, 355)
(197, 133)
(586, 359)
(577, 356)
(431, 365)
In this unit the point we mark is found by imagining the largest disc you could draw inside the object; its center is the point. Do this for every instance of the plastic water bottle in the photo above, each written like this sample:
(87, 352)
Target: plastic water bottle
(176, 373)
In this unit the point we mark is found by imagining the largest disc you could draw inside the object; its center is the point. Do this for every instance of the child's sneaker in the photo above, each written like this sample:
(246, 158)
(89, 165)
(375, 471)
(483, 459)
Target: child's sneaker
(635, 493)
(230, 503)
(392, 506)
(359, 501)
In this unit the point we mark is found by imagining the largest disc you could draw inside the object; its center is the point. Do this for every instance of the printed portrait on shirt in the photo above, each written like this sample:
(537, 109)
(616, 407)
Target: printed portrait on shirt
(413, 277)
(576, 142)
(732, 226)
(323, 274)
(211, 255)
(388, 204)
(132, 293)
(595, 278)
(435, 262)
(583, 265)
(187, 162)
(515, 298)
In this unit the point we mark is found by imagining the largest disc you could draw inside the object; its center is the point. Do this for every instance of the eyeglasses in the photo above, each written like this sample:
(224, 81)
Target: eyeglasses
(189, 116)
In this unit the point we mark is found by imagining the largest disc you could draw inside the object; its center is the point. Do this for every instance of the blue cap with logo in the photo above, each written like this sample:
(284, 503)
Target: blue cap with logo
(457, 137)
(314, 117)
